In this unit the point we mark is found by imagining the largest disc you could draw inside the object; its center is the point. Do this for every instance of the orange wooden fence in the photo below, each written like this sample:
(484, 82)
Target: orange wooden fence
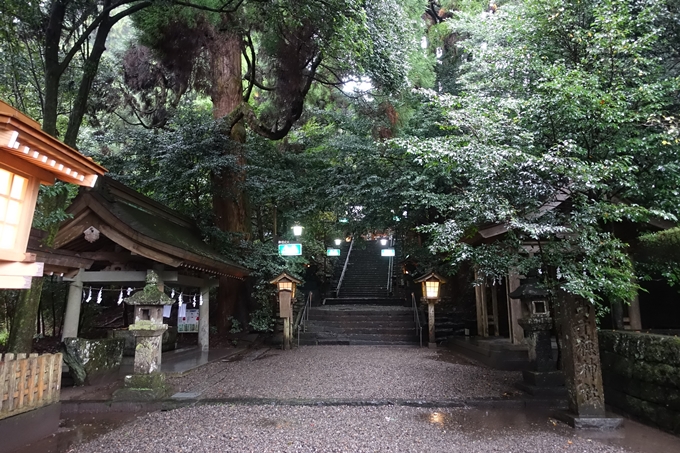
(28, 382)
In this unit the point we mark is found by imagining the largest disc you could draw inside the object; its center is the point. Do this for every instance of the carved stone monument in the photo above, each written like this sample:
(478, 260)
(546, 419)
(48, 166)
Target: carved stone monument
(581, 365)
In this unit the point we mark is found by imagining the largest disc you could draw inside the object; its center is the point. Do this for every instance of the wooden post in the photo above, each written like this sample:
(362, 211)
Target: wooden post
(514, 309)
(286, 333)
(482, 312)
(432, 342)
(634, 318)
(494, 310)
(204, 320)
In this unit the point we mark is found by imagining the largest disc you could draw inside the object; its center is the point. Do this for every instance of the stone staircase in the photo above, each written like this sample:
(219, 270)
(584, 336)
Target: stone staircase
(356, 324)
(364, 313)
(366, 274)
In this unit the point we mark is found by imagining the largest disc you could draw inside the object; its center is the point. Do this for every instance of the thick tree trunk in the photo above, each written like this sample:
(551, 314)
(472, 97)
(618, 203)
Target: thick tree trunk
(25, 315)
(89, 73)
(53, 70)
(230, 201)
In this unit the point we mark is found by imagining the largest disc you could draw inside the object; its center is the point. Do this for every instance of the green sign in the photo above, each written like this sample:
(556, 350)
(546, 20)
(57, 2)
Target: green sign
(332, 252)
(290, 249)
(387, 252)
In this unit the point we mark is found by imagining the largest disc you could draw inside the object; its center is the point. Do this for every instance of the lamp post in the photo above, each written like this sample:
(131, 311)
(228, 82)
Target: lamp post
(285, 288)
(431, 284)
(297, 230)
(338, 242)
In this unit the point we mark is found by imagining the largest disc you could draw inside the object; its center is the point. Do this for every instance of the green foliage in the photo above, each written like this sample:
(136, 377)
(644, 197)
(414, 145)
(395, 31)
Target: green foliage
(235, 325)
(557, 132)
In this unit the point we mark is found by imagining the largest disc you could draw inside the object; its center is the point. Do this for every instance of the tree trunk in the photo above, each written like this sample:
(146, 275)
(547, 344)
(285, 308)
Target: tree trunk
(89, 73)
(53, 70)
(230, 202)
(25, 315)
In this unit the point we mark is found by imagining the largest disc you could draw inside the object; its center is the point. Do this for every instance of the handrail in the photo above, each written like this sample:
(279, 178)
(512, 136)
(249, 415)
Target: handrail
(344, 268)
(302, 317)
(390, 269)
(416, 318)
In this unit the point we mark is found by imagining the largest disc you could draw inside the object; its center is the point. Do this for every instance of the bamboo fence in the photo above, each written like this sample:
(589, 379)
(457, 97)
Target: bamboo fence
(28, 382)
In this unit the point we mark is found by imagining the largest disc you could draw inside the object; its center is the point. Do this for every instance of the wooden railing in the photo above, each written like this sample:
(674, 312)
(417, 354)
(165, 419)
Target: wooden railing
(28, 382)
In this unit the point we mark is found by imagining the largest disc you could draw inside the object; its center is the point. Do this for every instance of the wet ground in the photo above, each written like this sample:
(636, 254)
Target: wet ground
(79, 429)
(294, 419)
(367, 429)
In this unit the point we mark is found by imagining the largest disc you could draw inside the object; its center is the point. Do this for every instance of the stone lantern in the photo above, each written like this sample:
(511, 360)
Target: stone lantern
(285, 286)
(148, 327)
(537, 326)
(431, 288)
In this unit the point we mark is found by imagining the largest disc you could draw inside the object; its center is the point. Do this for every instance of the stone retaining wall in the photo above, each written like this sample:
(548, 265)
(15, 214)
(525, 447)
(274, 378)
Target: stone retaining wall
(641, 374)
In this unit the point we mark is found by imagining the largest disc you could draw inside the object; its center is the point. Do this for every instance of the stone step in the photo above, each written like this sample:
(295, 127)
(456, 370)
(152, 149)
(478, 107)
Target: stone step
(384, 339)
(373, 330)
(387, 301)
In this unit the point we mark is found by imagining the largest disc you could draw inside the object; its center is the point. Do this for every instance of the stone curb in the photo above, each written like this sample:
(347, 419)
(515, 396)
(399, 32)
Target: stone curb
(99, 406)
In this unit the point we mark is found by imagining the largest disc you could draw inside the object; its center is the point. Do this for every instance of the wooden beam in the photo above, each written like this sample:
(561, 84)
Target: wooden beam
(122, 276)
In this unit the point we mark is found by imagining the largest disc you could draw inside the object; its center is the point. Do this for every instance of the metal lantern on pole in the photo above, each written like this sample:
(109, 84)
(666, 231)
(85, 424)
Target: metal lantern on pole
(286, 285)
(297, 230)
(338, 242)
(431, 294)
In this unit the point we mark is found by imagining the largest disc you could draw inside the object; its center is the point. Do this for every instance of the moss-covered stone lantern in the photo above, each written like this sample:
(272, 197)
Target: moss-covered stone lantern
(542, 378)
(148, 327)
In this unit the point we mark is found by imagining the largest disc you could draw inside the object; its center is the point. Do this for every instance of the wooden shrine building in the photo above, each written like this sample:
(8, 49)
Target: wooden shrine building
(120, 234)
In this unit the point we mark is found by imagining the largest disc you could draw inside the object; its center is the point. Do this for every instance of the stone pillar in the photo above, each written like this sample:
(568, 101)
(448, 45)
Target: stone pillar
(514, 309)
(581, 364)
(204, 320)
(148, 347)
(432, 342)
(72, 315)
(634, 317)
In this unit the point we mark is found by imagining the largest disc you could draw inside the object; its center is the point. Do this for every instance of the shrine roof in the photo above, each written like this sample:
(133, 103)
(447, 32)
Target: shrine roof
(142, 226)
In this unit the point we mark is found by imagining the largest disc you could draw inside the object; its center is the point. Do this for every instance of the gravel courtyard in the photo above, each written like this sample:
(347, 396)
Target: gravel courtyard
(260, 429)
(321, 373)
(349, 372)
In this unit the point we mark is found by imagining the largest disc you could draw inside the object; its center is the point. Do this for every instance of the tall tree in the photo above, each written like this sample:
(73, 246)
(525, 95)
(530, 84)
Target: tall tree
(286, 46)
(54, 49)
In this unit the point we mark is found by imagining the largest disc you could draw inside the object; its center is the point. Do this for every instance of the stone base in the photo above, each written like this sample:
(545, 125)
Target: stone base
(604, 423)
(142, 387)
(543, 378)
(543, 392)
(432, 345)
(549, 384)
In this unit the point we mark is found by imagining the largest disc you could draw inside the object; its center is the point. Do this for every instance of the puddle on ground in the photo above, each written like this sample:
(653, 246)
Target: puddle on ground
(479, 423)
(77, 429)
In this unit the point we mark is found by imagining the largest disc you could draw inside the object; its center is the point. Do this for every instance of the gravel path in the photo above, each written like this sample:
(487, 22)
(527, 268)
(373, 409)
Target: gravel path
(342, 429)
(343, 372)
